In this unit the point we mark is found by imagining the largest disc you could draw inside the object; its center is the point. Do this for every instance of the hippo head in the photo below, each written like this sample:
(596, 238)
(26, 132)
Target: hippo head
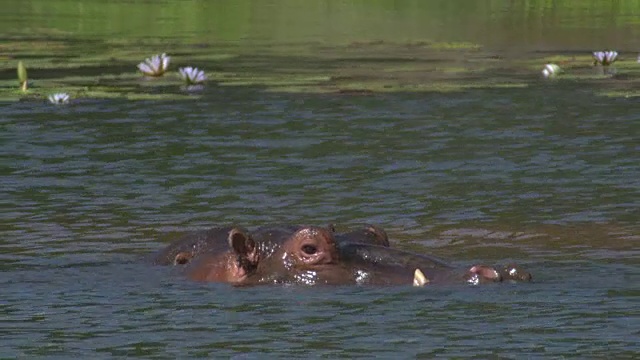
(233, 265)
(304, 257)
(191, 245)
(309, 247)
(280, 254)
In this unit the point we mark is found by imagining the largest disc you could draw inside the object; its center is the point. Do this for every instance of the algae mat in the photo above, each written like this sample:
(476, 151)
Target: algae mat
(107, 69)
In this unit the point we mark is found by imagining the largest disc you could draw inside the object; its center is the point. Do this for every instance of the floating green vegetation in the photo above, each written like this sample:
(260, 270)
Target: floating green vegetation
(270, 81)
(88, 87)
(621, 93)
(455, 46)
(613, 80)
(373, 87)
(111, 74)
(89, 68)
(425, 44)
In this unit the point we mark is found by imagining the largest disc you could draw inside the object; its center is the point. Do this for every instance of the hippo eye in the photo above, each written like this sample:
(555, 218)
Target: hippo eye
(309, 249)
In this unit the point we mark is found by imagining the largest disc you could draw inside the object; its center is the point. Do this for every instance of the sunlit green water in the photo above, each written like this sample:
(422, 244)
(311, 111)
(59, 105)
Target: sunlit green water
(563, 24)
(545, 174)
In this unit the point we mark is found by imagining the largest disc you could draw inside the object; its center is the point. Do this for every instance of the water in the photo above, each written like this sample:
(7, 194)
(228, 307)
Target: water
(546, 176)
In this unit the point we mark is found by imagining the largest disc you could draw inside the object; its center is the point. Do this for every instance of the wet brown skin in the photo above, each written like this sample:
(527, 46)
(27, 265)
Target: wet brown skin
(222, 267)
(369, 234)
(480, 274)
(183, 250)
(270, 255)
(513, 272)
(377, 265)
(283, 254)
(215, 240)
(302, 254)
(297, 254)
(382, 266)
(312, 256)
(232, 265)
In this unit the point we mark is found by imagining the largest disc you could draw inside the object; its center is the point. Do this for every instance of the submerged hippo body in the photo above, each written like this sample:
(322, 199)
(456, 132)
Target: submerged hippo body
(314, 256)
(311, 255)
(369, 234)
(376, 265)
(184, 249)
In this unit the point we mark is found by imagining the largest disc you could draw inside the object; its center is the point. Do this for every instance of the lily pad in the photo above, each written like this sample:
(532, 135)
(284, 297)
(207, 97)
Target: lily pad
(89, 68)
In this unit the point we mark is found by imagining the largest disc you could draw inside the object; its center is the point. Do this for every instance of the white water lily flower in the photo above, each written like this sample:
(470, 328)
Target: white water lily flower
(192, 75)
(550, 70)
(604, 58)
(59, 98)
(156, 65)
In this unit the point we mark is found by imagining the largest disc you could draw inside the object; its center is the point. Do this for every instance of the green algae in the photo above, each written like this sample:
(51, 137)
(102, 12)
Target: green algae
(455, 45)
(621, 93)
(88, 68)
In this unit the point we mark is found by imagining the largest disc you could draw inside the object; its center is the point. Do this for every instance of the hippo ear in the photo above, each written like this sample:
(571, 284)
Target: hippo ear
(182, 258)
(241, 243)
(381, 235)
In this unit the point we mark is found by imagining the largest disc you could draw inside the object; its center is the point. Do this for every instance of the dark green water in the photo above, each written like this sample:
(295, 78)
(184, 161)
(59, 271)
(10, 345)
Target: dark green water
(547, 176)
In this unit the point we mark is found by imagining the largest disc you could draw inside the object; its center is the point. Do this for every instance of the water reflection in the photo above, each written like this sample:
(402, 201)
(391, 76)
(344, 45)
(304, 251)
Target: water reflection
(503, 24)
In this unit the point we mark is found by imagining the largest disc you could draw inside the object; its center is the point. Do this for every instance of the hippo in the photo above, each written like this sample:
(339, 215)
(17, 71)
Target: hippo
(270, 255)
(369, 234)
(238, 261)
(274, 235)
(379, 265)
(280, 254)
(353, 263)
(184, 249)
(310, 255)
(233, 264)
(215, 240)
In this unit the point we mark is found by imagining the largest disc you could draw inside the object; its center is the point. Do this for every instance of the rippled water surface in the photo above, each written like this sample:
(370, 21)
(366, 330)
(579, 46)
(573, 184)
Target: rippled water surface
(547, 176)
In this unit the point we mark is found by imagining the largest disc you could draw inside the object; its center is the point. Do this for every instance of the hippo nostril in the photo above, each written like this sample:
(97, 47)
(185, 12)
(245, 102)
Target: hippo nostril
(309, 249)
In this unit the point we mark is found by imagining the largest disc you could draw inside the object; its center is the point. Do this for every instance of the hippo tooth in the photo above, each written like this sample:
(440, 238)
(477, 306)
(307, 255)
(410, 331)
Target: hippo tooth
(419, 279)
